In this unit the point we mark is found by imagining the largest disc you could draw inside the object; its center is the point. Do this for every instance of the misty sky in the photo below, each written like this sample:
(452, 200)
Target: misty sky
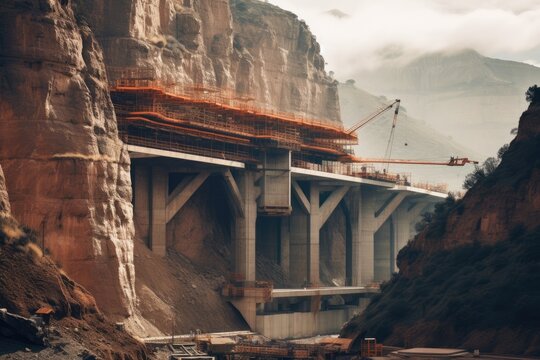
(379, 31)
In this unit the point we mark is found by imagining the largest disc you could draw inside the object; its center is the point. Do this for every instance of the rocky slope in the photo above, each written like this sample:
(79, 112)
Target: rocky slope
(28, 281)
(66, 170)
(474, 99)
(190, 277)
(414, 139)
(249, 46)
(470, 279)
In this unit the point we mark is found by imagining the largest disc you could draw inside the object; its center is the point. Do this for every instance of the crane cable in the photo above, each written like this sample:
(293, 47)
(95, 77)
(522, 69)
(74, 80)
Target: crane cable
(390, 144)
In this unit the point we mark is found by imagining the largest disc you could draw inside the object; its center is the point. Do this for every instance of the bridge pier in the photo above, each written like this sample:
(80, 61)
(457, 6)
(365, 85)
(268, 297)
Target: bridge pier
(404, 219)
(369, 210)
(245, 226)
(158, 211)
(154, 207)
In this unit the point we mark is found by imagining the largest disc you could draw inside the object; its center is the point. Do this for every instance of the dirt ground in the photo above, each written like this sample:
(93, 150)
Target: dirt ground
(174, 293)
(29, 281)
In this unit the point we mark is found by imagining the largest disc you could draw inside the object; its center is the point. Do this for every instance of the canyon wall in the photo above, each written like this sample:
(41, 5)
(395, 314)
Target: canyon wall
(470, 279)
(5, 208)
(252, 47)
(66, 170)
(507, 202)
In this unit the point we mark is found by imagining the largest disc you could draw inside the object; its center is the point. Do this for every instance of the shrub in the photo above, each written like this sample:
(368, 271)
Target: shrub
(483, 172)
(532, 95)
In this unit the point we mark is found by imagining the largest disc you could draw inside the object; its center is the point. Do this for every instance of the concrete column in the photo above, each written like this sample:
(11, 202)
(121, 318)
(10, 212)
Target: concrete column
(141, 201)
(245, 227)
(285, 239)
(298, 246)
(404, 220)
(158, 233)
(369, 210)
(366, 248)
(354, 203)
(314, 232)
(383, 252)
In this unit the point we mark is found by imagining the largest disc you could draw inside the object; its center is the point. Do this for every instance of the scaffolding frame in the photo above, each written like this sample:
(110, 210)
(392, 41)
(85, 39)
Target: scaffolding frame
(220, 123)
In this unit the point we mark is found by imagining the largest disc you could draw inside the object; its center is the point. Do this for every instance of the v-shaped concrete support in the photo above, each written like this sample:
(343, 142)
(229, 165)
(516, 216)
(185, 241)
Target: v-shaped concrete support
(234, 193)
(301, 197)
(331, 203)
(384, 212)
(180, 196)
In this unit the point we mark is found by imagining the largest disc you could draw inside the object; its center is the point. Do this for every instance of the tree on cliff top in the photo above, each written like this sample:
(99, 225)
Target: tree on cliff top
(532, 95)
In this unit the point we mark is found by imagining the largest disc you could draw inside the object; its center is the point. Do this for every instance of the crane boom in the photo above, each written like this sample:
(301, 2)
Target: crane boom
(454, 161)
(372, 116)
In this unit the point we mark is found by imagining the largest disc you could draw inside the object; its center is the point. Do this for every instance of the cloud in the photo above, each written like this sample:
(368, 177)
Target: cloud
(532, 62)
(397, 31)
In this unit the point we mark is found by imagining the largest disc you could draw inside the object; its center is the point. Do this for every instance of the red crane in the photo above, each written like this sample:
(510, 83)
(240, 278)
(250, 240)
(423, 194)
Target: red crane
(454, 161)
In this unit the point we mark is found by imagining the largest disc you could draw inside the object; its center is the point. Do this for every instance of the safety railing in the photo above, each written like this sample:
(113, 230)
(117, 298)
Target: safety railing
(144, 79)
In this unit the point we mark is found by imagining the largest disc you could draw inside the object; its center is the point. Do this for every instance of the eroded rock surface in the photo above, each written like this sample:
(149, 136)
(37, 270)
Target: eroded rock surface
(5, 208)
(66, 170)
(249, 46)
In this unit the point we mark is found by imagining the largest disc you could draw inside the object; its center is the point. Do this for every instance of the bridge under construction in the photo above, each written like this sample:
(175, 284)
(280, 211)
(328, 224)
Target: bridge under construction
(284, 176)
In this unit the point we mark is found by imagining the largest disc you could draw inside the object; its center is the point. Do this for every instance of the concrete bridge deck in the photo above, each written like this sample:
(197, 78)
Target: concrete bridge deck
(323, 291)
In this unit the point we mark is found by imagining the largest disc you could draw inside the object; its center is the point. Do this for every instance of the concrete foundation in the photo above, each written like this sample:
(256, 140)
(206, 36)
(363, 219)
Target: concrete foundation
(305, 324)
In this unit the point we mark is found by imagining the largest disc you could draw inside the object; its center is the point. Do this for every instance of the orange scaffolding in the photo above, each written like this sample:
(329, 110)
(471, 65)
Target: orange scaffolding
(220, 123)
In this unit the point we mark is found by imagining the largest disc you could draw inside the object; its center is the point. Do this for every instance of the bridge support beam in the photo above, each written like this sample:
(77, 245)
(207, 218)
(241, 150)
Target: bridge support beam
(245, 226)
(305, 228)
(182, 193)
(285, 244)
(369, 210)
(161, 206)
(403, 222)
(158, 218)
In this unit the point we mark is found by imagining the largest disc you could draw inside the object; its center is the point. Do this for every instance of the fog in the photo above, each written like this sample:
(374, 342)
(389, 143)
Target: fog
(366, 34)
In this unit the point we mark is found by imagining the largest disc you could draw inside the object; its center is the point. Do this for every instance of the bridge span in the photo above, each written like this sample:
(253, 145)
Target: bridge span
(284, 178)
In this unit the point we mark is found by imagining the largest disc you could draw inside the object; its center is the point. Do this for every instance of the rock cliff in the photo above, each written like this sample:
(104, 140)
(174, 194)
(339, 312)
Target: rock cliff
(66, 170)
(471, 279)
(505, 203)
(29, 281)
(252, 47)
(5, 208)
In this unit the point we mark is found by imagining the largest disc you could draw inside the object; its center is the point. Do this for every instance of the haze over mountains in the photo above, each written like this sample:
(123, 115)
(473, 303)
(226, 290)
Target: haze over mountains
(469, 97)
(414, 139)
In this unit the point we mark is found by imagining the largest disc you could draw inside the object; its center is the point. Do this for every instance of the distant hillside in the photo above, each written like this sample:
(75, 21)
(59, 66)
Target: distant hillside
(414, 139)
(473, 98)
(472, 278)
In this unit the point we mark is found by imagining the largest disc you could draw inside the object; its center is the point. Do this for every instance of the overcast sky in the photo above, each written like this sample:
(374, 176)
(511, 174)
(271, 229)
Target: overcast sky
(398, 30)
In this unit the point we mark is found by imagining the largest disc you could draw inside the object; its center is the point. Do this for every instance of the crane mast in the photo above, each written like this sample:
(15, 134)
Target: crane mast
(374, 115)
(454, 161)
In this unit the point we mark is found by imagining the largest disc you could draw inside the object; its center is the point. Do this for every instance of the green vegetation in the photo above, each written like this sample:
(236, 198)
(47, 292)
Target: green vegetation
(435, 222)
(484, 171)
(467, 289)
(532, 95)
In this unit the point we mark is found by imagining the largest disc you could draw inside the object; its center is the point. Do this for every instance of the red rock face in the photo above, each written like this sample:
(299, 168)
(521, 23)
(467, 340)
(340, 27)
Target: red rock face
(507, 202)
(66, 170)
(249, 46)
(5, 208)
